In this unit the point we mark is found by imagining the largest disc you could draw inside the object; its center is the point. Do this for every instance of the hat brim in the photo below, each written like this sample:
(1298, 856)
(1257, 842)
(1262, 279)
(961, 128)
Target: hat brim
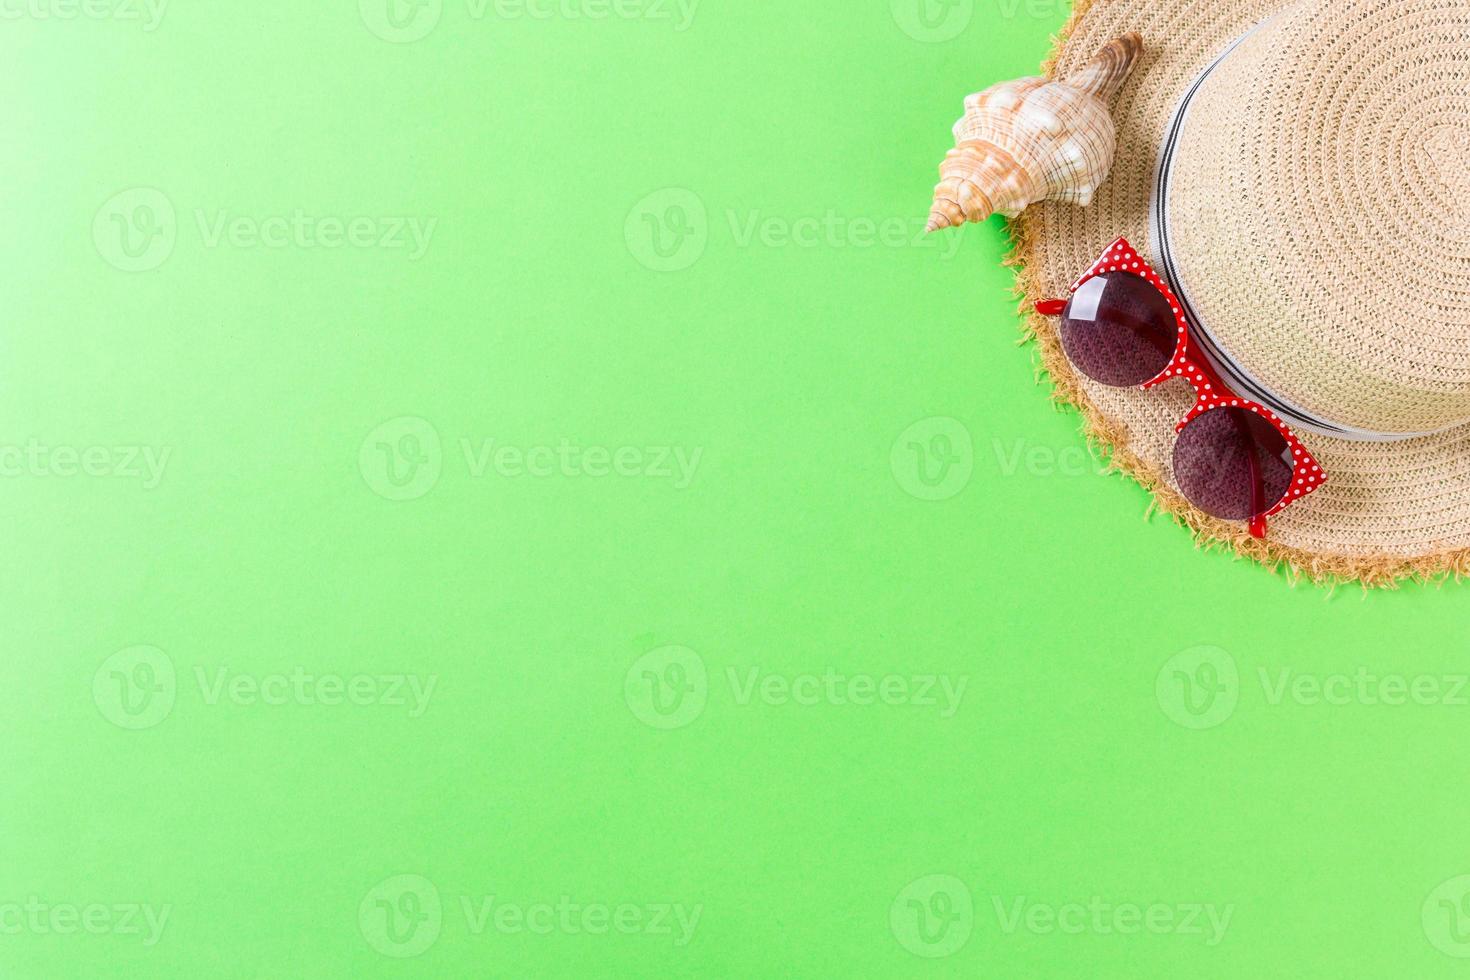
(1389, 510)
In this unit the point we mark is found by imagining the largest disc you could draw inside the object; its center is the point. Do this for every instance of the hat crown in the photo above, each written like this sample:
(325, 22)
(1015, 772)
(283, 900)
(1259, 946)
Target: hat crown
(1319, 209)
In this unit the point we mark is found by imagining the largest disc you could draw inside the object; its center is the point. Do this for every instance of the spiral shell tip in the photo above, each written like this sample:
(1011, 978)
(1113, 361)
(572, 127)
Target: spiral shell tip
(1034, 139)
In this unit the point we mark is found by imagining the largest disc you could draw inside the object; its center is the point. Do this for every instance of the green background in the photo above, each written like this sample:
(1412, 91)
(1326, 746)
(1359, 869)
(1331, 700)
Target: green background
(648, 235)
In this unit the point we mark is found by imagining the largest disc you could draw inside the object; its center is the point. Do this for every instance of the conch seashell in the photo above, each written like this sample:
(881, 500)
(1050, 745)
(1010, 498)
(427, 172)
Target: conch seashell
(1034, 140)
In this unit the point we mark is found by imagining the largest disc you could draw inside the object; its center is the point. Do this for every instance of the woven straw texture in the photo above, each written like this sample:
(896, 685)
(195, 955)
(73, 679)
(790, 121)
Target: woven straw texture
(1323, 224)
(1334, 225)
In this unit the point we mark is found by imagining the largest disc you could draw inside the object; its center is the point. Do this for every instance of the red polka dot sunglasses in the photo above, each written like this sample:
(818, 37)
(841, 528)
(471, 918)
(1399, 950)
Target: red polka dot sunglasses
(1233, 458)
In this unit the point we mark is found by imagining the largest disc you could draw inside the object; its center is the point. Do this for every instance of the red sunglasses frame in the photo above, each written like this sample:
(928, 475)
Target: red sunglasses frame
(1210, 392)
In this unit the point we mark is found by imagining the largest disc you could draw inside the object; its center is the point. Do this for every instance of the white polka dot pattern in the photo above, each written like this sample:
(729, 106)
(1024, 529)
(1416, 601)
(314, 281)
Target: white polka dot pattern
(1210, 392)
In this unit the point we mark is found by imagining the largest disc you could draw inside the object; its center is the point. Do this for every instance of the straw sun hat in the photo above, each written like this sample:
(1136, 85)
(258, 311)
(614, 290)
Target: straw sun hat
(1299, 171)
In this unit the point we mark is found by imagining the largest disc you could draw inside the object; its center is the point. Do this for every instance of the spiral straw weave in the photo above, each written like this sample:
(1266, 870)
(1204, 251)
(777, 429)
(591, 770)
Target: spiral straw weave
(1322, 183)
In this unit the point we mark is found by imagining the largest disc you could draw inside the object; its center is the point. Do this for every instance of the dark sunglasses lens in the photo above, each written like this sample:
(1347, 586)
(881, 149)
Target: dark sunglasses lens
(1213, 464)
(1119, 330)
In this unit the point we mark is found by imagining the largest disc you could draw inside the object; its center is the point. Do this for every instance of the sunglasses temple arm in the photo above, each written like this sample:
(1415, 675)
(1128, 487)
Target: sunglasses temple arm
(1253, 471)
(1258, 495)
